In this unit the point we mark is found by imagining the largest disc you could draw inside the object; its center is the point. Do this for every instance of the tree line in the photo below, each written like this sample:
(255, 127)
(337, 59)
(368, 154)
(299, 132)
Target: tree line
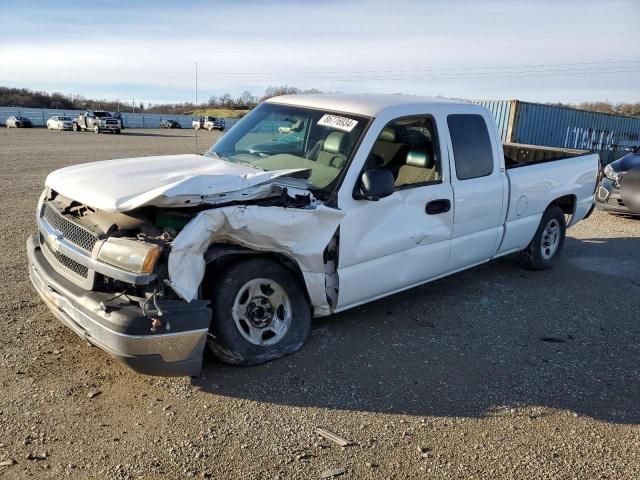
(24, 97)
(628, 109)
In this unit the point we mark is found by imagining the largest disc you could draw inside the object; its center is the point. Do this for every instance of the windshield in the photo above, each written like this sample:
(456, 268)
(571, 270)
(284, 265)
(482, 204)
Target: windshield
(64, 119)
(275, 137)
(101, 114)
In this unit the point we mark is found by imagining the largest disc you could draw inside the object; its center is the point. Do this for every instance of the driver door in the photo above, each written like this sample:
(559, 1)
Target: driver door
(404, 239)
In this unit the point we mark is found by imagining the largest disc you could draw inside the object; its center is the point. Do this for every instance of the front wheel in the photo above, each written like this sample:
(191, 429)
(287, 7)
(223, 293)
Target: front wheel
(547, 242)
(260, 312)
(96, 129)
(75, 127)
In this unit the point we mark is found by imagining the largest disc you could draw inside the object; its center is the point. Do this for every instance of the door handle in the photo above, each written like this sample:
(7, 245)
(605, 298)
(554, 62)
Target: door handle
(434, 207)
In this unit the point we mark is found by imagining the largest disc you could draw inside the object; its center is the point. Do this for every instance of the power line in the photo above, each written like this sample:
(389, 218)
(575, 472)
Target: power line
(436, 70)
(429, 44)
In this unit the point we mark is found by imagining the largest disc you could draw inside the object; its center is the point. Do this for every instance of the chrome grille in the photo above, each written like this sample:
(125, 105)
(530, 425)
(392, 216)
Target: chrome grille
(70, 230)
(65, 261)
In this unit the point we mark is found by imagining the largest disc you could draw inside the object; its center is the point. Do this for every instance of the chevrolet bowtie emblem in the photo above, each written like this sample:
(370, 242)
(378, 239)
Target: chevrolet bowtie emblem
(53, 240)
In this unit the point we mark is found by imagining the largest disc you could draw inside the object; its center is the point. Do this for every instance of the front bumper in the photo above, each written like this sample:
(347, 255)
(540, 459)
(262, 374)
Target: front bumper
(109, 126)
(609, 199)
(121, 329)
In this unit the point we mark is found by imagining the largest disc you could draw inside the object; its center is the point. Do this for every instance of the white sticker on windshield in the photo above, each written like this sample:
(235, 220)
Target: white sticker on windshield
(339, 123)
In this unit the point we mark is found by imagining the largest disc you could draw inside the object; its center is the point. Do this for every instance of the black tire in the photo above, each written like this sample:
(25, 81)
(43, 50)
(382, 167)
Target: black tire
(541, 254)
(96, 129)
(226, 340)
(117, 132)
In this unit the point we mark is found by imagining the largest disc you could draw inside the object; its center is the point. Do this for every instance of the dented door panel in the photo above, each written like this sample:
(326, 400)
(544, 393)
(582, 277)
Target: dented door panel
(392, 244)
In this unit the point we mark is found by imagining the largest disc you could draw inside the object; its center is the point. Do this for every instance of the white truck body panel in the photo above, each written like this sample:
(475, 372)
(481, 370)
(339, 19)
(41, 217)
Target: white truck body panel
(531, 187)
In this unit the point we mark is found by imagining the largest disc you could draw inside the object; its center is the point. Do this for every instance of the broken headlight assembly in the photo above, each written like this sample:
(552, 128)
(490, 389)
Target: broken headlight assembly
(611, 174)
(131, 255)
(43, 196)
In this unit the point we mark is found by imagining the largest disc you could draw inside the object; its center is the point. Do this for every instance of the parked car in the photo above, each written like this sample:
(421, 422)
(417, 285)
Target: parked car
(18, 122)
(152, 258)
(209, 123)
(98, 121)
(619, 188)
(60, 122)
(120, 118)
(170, 124)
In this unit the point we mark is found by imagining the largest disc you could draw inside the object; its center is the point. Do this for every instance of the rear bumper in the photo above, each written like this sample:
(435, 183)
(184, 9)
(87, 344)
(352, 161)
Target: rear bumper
(122, 330)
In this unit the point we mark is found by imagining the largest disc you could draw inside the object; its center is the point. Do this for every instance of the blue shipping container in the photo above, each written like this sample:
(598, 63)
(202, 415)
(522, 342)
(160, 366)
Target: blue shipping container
(563, 127)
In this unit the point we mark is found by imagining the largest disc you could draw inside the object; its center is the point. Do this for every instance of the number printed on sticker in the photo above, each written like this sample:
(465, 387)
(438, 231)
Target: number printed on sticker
(339, 123)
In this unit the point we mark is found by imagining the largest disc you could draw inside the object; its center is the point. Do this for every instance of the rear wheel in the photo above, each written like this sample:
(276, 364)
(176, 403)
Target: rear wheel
(260, 312)
(547, 242)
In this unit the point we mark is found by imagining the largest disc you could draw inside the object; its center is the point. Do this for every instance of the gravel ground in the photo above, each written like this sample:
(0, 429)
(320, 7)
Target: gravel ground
(496, 372)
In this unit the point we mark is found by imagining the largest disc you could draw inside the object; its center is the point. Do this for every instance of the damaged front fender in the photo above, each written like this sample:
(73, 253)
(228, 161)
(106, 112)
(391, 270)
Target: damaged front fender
(300, 234)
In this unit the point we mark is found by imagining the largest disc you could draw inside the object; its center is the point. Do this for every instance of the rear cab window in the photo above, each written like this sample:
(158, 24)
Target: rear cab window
(472, 152)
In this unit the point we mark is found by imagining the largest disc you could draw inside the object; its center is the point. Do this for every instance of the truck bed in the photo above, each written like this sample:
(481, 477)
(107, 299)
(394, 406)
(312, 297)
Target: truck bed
(541, 180)
(518, 154)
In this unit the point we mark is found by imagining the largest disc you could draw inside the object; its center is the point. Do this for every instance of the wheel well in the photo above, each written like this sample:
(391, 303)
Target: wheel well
(219, 258)
(566, 203)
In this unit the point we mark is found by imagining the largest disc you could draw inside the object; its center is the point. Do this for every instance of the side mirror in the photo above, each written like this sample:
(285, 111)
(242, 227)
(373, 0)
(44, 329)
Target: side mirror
(376, 184)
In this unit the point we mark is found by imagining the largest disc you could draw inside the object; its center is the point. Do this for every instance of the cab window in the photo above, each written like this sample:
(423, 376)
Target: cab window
(408, 147)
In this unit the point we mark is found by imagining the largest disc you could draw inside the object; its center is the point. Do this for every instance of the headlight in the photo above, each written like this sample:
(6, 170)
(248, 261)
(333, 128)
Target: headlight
(130, 255)
(43, 197)
(611, 174)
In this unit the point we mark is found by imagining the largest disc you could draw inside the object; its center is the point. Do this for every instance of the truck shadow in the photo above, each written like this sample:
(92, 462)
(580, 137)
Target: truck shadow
(495, 336)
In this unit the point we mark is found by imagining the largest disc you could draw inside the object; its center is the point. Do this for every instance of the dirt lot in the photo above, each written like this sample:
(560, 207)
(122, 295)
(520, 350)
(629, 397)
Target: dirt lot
(497, 372)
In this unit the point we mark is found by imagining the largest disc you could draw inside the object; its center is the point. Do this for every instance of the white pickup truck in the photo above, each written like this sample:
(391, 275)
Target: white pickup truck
(152, 258)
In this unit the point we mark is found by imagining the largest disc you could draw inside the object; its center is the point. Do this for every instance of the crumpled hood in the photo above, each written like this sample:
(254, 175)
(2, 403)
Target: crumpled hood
(168, 180)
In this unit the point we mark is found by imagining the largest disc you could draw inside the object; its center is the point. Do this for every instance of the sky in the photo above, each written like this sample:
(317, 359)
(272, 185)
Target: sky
(537, 50)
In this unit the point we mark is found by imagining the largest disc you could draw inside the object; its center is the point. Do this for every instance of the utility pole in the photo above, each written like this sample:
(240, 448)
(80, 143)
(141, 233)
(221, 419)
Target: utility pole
(196, 107)
(133, 106)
